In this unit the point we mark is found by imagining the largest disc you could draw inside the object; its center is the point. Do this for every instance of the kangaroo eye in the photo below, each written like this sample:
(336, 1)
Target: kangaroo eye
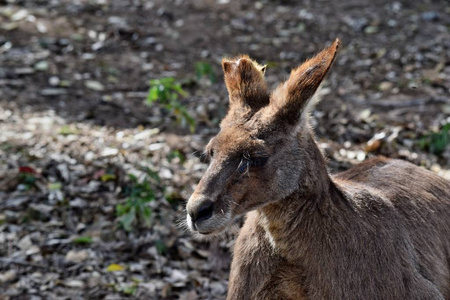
(256, 162)
(259, 161)
(243, 166)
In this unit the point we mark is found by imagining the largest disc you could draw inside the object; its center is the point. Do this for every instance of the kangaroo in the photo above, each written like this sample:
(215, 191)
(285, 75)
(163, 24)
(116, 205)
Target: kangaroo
(380, 230)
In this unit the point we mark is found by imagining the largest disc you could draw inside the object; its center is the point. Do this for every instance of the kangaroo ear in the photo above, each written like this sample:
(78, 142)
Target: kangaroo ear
(245, 82)
(291, 98)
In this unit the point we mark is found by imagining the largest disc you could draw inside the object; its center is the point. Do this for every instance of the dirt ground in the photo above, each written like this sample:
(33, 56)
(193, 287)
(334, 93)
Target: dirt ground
(74, 76)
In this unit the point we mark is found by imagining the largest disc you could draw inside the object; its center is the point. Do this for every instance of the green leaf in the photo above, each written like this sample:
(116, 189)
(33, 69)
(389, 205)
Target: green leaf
(133, 178)
(82, 240)
(153, 94)
(180, 90)
(176, 154)
(436, 142)
(166, 81)
(54, 186)
(152, 174)
(107, 177)
(130, 290)
(166, 92)
(160, 247)
(203, 69)
(128, 219)
(115, 268)
(119, 209)
(146, 214)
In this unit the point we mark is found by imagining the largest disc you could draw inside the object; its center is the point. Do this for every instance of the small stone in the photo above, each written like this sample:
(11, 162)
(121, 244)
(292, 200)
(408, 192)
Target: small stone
(37, 258)
(435, 168)
(371, 29)
(91, 187)
(57, 242)
(77, 256)
(360, 156)
(94, 85)
(23, 71)
(145, 134)
(155, 146)
(217, 288)
(202, 112)
(64, 172)
(365, 114)
(258, 5)
(41, 27)
(8, 276)
(165, 173)
(78, 203)
(109, 152)
(386, 86)
(20, 15)
(392, 23)
(80, 227)
(136, 267)
(177, 276)
(25, 243)
(33, 250)
(74, 283)
(54, 81)
(89, 156)
(115, 20)
(305, 15)
(53, 92)
(41, 66)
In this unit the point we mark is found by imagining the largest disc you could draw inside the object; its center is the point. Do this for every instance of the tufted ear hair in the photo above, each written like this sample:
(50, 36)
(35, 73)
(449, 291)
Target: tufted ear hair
(291, 100)
(245, 82)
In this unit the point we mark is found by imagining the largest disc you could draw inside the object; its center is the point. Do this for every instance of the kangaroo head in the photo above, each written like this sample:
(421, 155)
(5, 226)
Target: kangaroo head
(262, 151)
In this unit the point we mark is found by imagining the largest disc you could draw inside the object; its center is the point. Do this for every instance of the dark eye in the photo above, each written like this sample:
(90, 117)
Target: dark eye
(243, 166)
(258, 161)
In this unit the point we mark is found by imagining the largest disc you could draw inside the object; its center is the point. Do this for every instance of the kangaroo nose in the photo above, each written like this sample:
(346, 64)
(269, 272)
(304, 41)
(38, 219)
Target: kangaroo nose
(202, 212)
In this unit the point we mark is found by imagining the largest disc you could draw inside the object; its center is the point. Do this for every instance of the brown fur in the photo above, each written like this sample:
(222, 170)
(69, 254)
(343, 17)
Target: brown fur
(380, 230)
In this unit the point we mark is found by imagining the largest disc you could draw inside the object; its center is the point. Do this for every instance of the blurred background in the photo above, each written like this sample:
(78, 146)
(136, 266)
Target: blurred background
(105, 107)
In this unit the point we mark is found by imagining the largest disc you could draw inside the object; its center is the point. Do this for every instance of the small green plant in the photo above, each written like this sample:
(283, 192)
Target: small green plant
(203, 69)
(436, 142)
(176, 154)
(167, 92)
(129, 289)
(160, 247)
(82, 240)
(135, 210)
(67, 130)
